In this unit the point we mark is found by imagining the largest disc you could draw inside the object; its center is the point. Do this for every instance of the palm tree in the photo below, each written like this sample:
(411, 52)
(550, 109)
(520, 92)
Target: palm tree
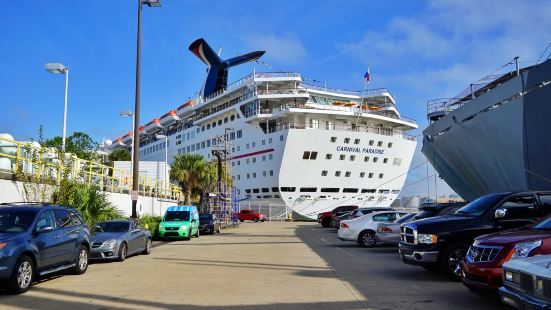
(188, 170)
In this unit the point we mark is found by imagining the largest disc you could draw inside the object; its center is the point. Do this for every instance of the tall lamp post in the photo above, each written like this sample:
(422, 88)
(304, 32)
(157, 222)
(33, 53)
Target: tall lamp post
(136, 142)
(57, 68)
(166, 155)
(130, 114)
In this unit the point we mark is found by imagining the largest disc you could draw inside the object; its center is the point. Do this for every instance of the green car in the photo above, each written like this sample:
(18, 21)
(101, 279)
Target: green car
(180, 222)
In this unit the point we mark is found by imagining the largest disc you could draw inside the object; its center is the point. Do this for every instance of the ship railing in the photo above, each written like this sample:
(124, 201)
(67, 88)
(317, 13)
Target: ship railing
(276, 91)
(276, 74)
(30, 161)
(315, 106)
(359, 93)
(443, 106)
(339, 127)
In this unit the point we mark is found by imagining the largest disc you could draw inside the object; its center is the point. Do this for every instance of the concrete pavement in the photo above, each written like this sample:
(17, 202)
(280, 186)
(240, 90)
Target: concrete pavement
(256, 266)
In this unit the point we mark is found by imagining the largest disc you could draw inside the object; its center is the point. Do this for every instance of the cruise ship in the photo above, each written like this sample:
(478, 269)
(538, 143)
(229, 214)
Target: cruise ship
(493, 137)
(290, 143)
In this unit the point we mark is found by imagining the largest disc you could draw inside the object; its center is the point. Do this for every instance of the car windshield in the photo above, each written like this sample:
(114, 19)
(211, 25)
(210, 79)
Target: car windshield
(111, 227)
(480, 205)
(405, 218)
(545, 224)
(176, 216)
(205, 218)
(12, 221)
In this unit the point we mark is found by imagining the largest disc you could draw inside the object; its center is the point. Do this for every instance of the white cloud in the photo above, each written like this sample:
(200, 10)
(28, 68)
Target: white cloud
(285, 48)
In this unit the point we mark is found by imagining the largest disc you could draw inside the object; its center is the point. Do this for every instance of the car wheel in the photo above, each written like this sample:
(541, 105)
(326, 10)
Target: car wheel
(22, 276)
(123, 252)
(81, 261)
(326, 223)
(242, 221)
(147, 249)
(450, 259)
(367, 239)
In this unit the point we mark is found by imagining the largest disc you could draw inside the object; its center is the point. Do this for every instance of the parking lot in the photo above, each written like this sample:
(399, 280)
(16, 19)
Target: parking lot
(256, 266)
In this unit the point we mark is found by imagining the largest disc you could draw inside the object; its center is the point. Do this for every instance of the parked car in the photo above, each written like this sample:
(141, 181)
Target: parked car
(481, 267)
(119, 239)
(389, 233)
(251, 215)
(362, 229)
(40, 239)
(336, 220)
(527, 283)
(180, 222)
(440, 243)
(209, 223)
(324, 218)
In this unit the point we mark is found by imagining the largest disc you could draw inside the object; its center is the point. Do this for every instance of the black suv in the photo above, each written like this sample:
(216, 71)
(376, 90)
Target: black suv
(439, 243)
(39, 239)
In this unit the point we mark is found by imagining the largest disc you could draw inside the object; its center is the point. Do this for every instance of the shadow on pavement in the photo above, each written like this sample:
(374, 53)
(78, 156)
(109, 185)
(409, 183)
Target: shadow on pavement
(383, 279)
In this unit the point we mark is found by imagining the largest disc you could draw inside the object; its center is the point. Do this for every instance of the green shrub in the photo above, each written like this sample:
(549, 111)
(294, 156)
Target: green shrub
(92, 204)
(151, 223)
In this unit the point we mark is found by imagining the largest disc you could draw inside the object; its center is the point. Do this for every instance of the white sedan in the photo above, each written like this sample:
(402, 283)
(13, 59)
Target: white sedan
(363, 229)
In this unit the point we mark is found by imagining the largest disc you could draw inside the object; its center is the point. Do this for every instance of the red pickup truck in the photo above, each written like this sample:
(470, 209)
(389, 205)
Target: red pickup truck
(251, 215)
(324, 218)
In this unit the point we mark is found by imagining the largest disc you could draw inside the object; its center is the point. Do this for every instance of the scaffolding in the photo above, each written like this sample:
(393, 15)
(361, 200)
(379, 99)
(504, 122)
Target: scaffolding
(223, 203)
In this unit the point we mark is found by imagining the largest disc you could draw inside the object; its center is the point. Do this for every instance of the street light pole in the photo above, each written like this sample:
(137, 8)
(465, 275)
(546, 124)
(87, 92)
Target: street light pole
(57, 68)
(136, 137)
(130, 114)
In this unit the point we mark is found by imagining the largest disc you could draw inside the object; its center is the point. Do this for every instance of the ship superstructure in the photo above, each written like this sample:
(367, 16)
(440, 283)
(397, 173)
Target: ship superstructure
(493, 137)
(291, 143)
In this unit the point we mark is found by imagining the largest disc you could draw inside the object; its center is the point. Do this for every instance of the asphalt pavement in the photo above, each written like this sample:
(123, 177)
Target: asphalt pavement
(256, 266)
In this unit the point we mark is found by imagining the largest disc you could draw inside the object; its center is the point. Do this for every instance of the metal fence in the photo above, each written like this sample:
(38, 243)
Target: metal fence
(29, 159)
(272, 212)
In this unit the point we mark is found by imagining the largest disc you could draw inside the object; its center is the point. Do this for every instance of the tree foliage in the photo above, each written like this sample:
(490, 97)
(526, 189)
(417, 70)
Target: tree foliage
(79, 143)
(120, 154)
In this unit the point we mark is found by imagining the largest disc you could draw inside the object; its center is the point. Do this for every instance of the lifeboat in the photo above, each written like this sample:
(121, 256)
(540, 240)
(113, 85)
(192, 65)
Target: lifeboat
(153, 126)
(185, 109)
(169, 118)
(338, 103)
(142, 130)
(127, 138)
(117, 143)
(349, 104)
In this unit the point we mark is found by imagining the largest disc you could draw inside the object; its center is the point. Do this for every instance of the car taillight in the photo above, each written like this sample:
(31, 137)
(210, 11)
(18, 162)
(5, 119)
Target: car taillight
(385, 229)
(344, 225)
(2, 245)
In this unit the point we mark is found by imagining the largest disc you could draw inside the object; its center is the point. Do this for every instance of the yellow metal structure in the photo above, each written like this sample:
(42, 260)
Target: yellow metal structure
(44, 164)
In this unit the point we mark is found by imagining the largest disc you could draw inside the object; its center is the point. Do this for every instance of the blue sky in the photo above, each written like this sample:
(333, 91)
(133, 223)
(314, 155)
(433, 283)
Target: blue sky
(420, 50)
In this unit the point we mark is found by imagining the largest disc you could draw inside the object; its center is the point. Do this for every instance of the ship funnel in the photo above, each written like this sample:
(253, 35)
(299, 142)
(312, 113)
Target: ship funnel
(217, 68)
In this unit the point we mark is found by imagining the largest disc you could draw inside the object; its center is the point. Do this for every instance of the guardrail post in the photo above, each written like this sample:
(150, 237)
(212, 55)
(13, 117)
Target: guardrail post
(90, 173)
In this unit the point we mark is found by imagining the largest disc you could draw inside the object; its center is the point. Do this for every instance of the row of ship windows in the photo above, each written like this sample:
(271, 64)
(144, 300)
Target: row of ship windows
(207, 143)
(322, 190)
(312, 155)
(357, 141)
(347, 174)
(154, 148)
(253, 175)
(253, 160)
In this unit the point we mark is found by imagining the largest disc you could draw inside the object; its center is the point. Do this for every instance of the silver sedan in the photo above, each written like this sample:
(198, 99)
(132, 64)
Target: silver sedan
(119, 239)
(389, 233)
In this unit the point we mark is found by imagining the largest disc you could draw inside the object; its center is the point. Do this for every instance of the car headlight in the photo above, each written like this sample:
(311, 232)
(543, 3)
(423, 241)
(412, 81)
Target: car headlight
(427, 238)
(511, 276)
(524, 249)
(183, 227)
(161, 227)
(109, 243)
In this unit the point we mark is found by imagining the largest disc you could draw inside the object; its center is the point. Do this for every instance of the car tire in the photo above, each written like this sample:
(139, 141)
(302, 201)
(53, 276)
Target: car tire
(449, 259)
(123, 252)
(22, 275)
(367, 239)
(262, 220)
(326, 223)
(147, 248)
(81, 261)
(242, 221)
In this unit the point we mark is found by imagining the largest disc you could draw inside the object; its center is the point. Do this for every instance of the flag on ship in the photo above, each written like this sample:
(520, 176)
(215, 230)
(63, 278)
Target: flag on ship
(367, 75)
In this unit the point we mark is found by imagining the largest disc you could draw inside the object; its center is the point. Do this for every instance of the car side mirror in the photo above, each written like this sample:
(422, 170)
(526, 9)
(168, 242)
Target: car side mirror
(500, 213)
(45, 229)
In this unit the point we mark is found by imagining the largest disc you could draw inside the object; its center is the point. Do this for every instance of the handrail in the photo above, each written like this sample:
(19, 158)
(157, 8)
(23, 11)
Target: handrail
(339, 127)
(45, 164)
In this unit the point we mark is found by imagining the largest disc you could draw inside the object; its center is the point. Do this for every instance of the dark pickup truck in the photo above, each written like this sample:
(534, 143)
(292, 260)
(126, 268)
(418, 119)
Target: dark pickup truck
(440, 243)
